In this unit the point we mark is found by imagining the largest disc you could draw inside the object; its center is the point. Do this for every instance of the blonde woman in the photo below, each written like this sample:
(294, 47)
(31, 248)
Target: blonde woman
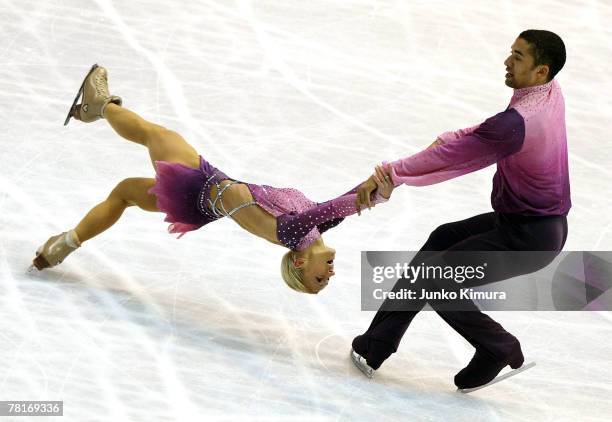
(193, 193)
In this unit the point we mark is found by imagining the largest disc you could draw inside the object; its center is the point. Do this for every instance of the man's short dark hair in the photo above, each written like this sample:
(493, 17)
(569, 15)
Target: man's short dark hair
(547, 48)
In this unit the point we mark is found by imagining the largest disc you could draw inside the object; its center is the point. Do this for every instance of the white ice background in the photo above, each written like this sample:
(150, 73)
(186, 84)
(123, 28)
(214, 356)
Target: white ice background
(139, 326)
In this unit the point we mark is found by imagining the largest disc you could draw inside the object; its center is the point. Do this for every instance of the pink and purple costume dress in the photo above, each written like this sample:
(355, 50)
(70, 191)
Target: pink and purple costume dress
(183, 193)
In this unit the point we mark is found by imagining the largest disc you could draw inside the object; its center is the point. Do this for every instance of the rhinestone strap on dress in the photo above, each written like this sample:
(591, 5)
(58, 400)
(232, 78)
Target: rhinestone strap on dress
(204, 203)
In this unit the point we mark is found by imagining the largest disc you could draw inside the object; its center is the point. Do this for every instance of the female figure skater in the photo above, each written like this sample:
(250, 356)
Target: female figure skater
(193, 193)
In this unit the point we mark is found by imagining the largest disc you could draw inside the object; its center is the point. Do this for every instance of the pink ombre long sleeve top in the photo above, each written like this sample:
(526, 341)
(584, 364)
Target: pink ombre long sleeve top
(528, 141)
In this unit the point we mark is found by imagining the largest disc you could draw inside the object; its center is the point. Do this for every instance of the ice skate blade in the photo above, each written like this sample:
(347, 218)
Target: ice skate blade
(32, 270)
(499, 378)
(361, 364)
(76, 99)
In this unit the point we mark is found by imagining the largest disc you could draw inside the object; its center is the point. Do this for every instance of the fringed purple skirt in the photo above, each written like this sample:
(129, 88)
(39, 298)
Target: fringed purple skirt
(183, 192)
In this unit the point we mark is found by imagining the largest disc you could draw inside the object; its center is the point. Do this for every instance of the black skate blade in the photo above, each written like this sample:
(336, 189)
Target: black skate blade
(499, 378)
(76, 99)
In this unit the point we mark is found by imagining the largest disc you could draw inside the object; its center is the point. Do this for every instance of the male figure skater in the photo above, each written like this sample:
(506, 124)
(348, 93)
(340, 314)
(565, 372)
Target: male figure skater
(530, 199)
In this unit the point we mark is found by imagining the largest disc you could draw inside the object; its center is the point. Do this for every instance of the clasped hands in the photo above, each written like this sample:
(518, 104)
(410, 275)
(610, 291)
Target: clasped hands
(380, 182)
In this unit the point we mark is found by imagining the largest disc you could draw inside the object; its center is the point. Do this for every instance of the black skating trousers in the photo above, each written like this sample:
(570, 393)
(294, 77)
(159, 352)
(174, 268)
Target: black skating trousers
(486, 232)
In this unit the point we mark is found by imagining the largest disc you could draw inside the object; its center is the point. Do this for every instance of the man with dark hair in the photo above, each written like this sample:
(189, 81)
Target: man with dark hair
(530, 200)
(546, 48)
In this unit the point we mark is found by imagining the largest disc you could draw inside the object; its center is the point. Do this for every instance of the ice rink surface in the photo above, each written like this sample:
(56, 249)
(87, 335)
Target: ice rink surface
(139, 326)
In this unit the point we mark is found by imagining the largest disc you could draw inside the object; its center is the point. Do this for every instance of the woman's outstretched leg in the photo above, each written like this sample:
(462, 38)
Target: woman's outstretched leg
(163, 144)
(97, 103)
(129, 192)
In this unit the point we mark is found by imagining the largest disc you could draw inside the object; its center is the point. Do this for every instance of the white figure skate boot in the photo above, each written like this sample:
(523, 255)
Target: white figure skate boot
(55, 250)
(95, 97)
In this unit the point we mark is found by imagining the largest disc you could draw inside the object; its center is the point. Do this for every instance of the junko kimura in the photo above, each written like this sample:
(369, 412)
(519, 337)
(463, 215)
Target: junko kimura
(420, 294)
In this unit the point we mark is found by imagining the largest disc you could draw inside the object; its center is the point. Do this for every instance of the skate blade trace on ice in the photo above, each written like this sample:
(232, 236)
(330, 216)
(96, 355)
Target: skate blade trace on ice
(499, 378)
(79, 93)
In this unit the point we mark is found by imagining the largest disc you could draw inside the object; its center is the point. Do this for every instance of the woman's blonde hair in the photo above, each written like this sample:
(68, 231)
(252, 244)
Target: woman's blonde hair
(292, 276)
